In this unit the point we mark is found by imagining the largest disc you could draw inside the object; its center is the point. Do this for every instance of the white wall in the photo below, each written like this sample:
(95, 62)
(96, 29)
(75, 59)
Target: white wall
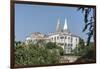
(5, 35)
(74, 42)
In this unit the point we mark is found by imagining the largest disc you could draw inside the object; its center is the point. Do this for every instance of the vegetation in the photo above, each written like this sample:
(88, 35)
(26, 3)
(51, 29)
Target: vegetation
(89, 20)
(49, 53)
(51, 45)
(79, 50)
(36, 54)
(86, 53)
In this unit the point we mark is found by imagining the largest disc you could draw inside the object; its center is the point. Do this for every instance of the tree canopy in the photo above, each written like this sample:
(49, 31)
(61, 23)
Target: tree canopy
(36, 54)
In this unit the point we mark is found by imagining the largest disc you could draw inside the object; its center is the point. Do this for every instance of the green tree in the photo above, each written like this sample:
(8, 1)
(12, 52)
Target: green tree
(17, 43)
(79, 50)
(36, 54)
(51, 45)
(89, 20)
(89, 53)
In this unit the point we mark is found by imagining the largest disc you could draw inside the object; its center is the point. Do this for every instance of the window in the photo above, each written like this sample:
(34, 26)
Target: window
(58, 38)
(65, 37)
(76, 45)
(68, 45)
(68, 37)
(52, 38)
(65, 46)
(61, 37)
(76, 39)
(71, 39)
(71, 45)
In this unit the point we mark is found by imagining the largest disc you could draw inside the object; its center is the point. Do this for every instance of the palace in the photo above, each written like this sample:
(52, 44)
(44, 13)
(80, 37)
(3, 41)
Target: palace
(62, 36)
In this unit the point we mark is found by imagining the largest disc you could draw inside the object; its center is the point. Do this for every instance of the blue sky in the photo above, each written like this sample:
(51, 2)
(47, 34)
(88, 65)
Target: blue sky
(40, 18)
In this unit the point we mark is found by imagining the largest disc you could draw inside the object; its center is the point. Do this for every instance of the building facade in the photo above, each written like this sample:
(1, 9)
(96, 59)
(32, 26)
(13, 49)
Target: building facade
(62, 37)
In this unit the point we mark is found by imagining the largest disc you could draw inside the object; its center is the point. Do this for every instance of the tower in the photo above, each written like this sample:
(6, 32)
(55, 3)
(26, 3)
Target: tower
(65, 28)
(58, 27)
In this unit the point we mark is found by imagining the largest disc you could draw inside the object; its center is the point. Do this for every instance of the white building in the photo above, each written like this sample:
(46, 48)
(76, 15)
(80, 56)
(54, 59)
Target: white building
(63, 37)
(34, 37)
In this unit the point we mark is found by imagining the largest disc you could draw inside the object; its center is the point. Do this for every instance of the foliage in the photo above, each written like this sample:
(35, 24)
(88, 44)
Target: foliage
(89, 19)
(17, 43)
(51, 45)
(79, 50)
(87, 53)
(88, 56)
(36, 54)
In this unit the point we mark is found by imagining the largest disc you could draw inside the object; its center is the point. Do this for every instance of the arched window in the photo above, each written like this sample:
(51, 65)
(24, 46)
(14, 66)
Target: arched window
(68, 37)
(54, 38)
(76, 39)
(57, 37)
(71, 39)
(65, 46)
(71, 45)
(65, 37)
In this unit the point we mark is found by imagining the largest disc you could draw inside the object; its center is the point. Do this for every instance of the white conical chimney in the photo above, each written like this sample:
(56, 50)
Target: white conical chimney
(65, 25)
(58, 27)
